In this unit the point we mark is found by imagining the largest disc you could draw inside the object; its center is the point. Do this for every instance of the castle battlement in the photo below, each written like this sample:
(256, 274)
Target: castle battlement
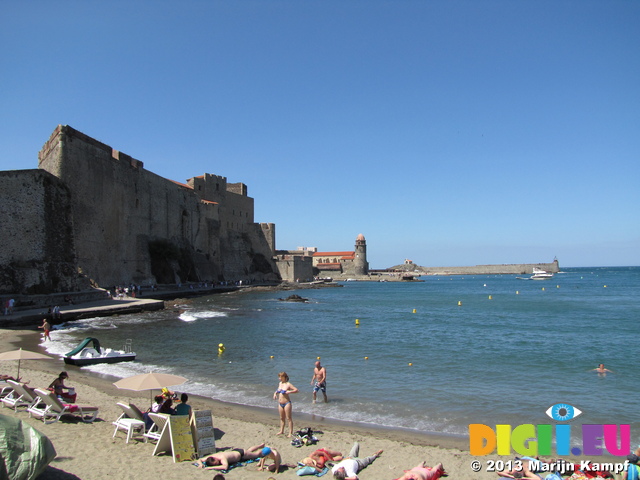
(131, 225)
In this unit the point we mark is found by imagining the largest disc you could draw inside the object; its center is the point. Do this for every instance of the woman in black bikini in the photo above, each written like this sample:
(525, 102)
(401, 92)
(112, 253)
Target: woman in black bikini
(284, 402)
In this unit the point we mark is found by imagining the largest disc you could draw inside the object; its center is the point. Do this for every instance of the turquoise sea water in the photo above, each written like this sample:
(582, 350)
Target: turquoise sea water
(503, 359)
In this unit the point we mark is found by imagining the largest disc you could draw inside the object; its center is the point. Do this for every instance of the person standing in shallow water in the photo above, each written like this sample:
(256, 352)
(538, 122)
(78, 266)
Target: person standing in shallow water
(46, 326)
(284, 402)
(319, 381)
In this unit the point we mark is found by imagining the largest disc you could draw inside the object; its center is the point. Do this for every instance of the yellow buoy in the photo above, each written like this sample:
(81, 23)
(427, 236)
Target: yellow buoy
(357, 322)
(411, 364)
(542, 288)
(557, 286)
(459, 303)
(220, 348)
(605, 286)
(366, 358)
(271, 357)
(490, 297)
(317, 358)
(414, 310)
(517, 292)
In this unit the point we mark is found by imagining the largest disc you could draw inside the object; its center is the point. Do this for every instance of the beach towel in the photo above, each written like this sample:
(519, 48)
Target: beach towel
(306, 470)
(233, 465)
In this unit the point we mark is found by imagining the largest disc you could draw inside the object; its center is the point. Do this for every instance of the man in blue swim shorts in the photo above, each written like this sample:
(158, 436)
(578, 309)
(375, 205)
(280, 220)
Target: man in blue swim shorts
(319, 381)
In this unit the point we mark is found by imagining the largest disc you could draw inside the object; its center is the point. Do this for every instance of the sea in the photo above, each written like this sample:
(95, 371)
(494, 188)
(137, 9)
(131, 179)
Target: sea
(433, 356)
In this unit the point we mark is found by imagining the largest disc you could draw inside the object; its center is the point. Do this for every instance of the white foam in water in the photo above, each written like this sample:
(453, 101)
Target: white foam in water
(192, 316)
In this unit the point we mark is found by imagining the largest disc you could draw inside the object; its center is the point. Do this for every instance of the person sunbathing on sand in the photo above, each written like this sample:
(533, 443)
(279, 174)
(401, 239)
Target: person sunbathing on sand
(520, 472)
(222, 461)
(348, 468)
(320, 457)
(422, 472)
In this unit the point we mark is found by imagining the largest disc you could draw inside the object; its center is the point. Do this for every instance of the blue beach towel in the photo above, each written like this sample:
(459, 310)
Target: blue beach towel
(312, 471)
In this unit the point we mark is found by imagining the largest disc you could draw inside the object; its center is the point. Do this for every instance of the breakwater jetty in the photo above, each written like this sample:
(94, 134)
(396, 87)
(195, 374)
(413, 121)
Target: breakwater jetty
(505, 269)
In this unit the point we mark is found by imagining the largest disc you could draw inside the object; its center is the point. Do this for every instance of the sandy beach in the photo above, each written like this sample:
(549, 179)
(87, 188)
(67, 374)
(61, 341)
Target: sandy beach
(88, 450)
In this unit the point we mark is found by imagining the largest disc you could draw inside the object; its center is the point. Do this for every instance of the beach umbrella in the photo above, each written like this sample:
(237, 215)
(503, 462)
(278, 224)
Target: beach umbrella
(21, 354)
(149, 381)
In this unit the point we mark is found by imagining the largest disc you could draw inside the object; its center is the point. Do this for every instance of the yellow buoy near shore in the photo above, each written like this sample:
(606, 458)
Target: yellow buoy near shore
(414, 310)
(366, 358)
(411, 364)
(490, 297)
(459, 303)
(517, 292)
(357, 322)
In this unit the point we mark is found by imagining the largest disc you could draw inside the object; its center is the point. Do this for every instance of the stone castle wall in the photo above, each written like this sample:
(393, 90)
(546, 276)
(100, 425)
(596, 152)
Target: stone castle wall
(130, 225)
(38, 249)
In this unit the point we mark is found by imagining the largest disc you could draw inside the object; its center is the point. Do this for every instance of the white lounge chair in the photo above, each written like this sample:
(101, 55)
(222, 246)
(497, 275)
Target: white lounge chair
(21, 396)
(55, 409)
(5, 389)
(131, 421)
(159, 421)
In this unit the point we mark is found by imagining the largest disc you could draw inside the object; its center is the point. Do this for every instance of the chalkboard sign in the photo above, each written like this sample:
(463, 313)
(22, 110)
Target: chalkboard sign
(202, 431)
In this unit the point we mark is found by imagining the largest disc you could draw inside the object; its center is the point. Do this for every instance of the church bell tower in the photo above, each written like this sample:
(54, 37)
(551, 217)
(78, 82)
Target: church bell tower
(360, 263)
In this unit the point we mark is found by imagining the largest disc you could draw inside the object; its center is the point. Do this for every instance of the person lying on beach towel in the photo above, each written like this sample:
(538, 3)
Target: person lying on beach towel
(522, 471)
(348, 468)
(226, 460)
(320, 457)
(422, 472)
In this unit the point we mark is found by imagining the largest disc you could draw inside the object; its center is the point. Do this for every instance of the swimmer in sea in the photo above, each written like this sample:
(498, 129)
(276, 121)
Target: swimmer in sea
(284, 402)
(601, 369)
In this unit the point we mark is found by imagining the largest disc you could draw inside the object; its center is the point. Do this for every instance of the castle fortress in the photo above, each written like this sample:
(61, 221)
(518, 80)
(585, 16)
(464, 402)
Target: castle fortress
(89, 208)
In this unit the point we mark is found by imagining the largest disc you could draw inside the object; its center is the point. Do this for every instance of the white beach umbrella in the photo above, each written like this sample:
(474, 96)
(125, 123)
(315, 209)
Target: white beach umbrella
(21, 354)
(149, 381)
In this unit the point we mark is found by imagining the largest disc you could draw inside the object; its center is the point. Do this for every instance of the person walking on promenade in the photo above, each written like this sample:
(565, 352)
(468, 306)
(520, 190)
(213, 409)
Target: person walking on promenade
(319, 381)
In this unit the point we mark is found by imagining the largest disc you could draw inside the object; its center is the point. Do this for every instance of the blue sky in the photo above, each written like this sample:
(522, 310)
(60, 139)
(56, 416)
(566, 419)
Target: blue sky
(448, 132)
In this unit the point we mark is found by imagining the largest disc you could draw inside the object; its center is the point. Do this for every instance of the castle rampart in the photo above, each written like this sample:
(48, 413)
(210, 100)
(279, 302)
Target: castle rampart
(131, 225)
(37, 254)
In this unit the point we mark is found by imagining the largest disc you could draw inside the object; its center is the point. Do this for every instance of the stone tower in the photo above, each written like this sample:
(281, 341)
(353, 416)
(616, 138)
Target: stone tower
(360, 263)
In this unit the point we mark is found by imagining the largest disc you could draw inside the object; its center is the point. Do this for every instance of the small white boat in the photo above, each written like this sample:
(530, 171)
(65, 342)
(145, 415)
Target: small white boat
(539, 274)
(83, 354)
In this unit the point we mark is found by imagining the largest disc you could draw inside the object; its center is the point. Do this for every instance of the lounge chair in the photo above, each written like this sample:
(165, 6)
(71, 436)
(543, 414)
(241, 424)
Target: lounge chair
(54, 408)
(5, 388)
(21, 396)
(159, 421)
(131, 421)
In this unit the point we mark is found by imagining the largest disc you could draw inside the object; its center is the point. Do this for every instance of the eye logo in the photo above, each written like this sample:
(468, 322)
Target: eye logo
(563, 412)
